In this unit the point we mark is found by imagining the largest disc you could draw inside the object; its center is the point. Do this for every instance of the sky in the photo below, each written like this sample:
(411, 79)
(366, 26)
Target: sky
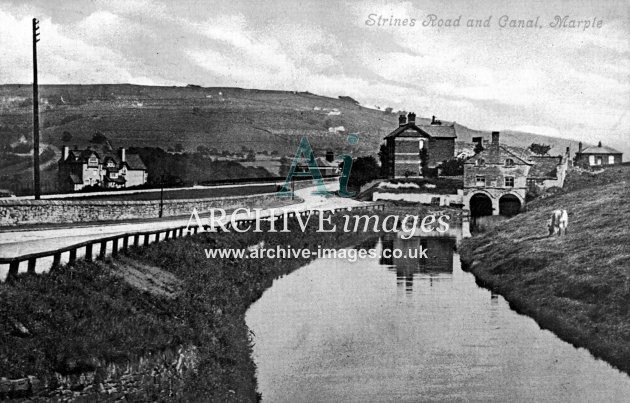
(565, 81)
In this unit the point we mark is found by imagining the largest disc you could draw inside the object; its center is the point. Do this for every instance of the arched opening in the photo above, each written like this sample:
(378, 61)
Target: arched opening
(509, 205)
(480, 205)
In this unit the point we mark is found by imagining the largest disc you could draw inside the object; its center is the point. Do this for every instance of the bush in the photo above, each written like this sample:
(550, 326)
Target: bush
(453, 167)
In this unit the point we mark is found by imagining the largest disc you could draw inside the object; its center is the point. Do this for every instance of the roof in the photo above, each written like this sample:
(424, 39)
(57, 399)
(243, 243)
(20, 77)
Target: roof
(81, 155)
(545, 167)
(599, 150)
(442, 131)
(134, 162)
(75, 179)
(520, 156)
(323, 162)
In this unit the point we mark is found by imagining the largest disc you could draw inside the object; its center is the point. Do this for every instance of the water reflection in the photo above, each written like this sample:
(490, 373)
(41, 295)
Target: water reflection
(383, 329)
(417, 259)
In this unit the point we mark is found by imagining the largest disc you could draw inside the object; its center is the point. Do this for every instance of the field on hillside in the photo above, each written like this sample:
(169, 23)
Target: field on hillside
(222, 118)
(185, 118)
(577, 285)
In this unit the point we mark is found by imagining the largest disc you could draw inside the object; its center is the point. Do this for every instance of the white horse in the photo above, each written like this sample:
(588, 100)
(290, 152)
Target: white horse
(558, 222)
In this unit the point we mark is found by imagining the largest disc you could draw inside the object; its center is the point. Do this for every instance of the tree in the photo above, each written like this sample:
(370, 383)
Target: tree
(251, 156)
(540, 149)
(453, 167)
(66, 136)
(364, 169)
(98, 138)
(203, 150)
(383, 156)
(179, 147)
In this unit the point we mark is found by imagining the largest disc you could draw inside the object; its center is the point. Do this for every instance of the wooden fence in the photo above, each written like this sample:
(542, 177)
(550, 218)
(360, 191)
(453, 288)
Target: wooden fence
(113, 245)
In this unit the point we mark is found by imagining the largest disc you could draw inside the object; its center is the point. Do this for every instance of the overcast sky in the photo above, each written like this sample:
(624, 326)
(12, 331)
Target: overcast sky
(568, 82)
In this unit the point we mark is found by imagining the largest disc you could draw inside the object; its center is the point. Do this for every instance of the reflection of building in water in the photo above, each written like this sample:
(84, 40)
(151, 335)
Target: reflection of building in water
(405, 257)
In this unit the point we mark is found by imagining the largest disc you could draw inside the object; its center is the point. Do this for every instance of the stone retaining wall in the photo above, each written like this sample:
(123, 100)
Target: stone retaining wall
(24, 212)
(159, 374)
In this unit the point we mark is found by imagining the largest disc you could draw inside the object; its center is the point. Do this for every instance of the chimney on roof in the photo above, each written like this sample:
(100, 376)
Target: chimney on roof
(580, 147)
(433, 119)
(599, 144)
(66, 152)
(411, 118)
(495, 140)
(402, 120)
(123, 155)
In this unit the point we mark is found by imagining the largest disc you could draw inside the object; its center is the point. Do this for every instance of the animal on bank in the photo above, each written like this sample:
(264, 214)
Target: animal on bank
(558, 222)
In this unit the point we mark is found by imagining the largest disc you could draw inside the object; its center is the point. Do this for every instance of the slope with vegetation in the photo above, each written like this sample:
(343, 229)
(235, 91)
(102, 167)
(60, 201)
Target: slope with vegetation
(576, 285)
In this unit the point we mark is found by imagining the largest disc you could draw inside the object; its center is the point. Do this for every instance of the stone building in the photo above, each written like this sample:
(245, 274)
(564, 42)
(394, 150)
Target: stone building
(411, 148)
(495, 180)
(597, 157)
(81, 168)
(548, 171)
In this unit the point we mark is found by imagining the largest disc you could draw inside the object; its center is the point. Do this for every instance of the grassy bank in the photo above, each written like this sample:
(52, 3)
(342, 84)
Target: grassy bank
(578, 286)
(69, 321)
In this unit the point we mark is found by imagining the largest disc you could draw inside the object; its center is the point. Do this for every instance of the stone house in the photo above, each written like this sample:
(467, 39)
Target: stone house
(81, 168)
(410, 149)
(548, 171)
(597, 157)
(495, 180)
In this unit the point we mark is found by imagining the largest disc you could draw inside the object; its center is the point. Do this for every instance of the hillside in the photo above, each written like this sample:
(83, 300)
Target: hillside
(221, 118)
(576, 285)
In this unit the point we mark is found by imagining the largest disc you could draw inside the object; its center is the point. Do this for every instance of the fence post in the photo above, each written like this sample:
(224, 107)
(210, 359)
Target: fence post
(88, 252)
(146, 239)
(31, 264)
(136, 240)
(56, 259)
(73, 256)
(115, 247)
(126, 243)
(13, 268)
(101, 253)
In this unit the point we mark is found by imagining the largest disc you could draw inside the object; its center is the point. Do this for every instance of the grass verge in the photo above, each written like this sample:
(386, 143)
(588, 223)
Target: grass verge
(66, 321)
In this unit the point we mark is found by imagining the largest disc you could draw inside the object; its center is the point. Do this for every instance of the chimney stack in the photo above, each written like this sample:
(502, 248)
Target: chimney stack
(402, 120)
(580, 147)
(599, 144)
(433, 119)
(495, 140)
(66, 152)
(411, 118)
(123, 156)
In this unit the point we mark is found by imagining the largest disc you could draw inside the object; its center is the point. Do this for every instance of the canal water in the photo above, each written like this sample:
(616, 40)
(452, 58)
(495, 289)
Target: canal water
(401, 329)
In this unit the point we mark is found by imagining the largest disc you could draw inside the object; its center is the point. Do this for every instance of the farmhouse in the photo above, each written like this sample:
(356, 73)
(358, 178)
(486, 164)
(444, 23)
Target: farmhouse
(81, 168)
(597, 157)
(411, 148)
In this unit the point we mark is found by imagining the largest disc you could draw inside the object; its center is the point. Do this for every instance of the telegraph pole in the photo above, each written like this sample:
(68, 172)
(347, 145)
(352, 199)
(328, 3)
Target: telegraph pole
(36, 180)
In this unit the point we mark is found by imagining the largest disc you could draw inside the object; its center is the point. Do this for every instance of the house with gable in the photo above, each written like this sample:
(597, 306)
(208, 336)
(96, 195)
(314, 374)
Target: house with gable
(81, 168)
(412, 148)
(597, 156)
(495, 180)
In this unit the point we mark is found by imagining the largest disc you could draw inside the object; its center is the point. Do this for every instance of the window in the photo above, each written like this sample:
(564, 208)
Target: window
(591, 160)
(480, 180)
(481, 162)
(435, 201)
(509, 162)
(509, 181)
(611, 159)
(599, 161)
